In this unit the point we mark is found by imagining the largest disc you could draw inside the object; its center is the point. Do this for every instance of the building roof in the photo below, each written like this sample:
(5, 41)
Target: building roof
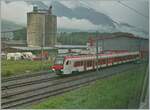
(15, 42)
(71, 46)
(132, 37)
(51, 48)
(32, 48)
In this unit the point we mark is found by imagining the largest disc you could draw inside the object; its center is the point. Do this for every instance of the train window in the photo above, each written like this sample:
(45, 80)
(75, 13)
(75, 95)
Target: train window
(116, 59)
(103, 61)
(129, 57)
(99, 61)
(81, 63)
(67, 62)
(89, 63)
(124, 58)
(59, 60)
(76, 64)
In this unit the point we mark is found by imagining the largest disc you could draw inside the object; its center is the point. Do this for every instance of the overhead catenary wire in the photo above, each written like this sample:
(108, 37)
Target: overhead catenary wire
(133, 9)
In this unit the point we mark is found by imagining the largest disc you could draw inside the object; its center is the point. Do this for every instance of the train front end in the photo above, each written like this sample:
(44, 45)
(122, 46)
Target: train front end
(58, 65)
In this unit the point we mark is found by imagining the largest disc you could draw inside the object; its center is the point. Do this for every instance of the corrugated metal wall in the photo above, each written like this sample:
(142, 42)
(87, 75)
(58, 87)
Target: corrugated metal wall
(124, 43)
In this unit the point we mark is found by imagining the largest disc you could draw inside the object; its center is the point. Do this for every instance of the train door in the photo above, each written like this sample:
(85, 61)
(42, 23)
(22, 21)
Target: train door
(93, 64)
(106, 61)
(85, 65)
(68, 67)
(112, 60)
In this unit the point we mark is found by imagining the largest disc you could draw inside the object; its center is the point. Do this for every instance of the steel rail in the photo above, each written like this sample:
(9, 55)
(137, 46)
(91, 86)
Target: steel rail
(19, 83)
(22, 76)
(55, 81)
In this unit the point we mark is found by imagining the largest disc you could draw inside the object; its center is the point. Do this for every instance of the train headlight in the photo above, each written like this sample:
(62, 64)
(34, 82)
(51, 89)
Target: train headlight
(53, 69)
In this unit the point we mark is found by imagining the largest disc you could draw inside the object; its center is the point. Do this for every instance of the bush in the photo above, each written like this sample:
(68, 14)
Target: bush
(8, 72)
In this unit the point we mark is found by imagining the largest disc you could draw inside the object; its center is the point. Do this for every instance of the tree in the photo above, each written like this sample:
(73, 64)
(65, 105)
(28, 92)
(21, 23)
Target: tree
(20, 34)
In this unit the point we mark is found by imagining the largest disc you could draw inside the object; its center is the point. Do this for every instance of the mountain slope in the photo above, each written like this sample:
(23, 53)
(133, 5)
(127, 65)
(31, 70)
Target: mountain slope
(9, 25)
(94, 17)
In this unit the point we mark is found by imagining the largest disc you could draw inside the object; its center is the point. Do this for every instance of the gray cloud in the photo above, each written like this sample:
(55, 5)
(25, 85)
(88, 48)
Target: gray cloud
(117, 11)
(16, 11)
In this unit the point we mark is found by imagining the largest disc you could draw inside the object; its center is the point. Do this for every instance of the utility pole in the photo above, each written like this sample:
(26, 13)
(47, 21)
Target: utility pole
(43, 41)
(96, 51)
(140, 48)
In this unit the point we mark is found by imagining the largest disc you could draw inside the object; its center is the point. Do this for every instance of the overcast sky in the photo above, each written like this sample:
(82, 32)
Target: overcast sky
(16, 11)
(117, 11)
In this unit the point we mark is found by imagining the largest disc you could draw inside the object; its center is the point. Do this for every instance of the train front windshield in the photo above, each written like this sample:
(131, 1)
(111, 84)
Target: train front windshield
(59, 60)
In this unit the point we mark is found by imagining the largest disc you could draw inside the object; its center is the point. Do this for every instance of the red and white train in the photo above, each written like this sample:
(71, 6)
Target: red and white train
(79, 63)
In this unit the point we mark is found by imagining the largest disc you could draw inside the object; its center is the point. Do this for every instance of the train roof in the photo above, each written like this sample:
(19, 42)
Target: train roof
(91, 56)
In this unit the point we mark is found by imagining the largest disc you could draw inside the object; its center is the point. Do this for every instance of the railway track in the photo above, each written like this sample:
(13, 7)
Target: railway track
(23, 76)
(26, 80)
(35, 90)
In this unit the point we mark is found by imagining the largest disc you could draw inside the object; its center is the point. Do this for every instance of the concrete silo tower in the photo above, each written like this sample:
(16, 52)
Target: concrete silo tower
(41, 28)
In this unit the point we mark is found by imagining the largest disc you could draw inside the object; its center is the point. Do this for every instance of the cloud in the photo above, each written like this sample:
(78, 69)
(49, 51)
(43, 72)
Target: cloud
(121, 13)
(116, 11)
(75, 3)
(82, 24)
(85, 25)
(15, 11)
(70, 3)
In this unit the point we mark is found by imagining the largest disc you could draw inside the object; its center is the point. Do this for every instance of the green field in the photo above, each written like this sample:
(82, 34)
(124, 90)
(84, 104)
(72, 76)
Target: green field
(117, 91)
(9, 67)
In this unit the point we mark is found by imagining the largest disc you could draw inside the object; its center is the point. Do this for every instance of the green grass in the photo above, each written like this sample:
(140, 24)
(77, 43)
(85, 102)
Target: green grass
(113, 92)
(10, 68)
